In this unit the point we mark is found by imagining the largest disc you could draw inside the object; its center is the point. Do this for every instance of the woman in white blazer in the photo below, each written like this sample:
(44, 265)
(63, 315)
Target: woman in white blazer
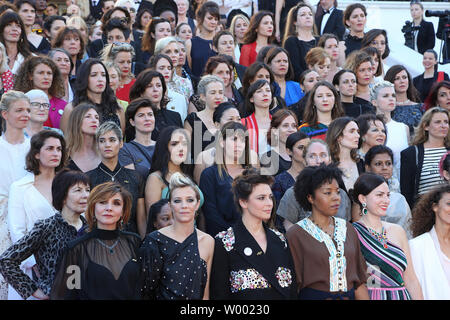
(15, 114)
(30, 198)
(430, 250)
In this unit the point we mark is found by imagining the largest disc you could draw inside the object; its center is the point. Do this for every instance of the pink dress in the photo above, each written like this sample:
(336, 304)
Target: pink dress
(56, 110)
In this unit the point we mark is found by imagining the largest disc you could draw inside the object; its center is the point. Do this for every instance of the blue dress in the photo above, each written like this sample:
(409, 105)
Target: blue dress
(201, 51)
(293, 93)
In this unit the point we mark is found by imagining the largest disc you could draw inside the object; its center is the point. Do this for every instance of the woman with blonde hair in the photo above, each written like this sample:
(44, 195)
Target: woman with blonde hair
(419, 170)
(177, 259)
(170, 47)
(300, 36)
(121, 54)
(14, 146)
(106, 257)
(238, 27)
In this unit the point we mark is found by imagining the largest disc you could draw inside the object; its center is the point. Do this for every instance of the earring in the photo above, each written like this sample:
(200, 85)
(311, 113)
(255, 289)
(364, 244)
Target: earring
(364, 210)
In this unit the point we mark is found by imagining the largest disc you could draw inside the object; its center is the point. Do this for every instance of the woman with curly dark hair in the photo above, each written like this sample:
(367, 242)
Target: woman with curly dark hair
(40, 72)
(430, 249)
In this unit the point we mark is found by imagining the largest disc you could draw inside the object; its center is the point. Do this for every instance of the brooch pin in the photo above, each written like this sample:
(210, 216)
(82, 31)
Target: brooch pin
(248, 251)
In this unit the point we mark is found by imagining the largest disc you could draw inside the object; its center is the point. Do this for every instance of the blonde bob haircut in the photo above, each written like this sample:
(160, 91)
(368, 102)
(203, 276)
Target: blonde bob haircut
(421, 135)
(106, 191)
(162, 43)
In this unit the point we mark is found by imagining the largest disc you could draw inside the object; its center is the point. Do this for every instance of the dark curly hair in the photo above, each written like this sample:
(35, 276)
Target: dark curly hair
(244, 184)
(423, 216)
(23, 81)
(312, 178)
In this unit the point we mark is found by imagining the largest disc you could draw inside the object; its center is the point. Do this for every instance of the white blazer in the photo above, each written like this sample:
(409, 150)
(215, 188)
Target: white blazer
(428, 268)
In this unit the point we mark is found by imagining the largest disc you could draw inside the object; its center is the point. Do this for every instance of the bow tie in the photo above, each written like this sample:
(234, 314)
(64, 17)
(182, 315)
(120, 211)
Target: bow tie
(326, 11)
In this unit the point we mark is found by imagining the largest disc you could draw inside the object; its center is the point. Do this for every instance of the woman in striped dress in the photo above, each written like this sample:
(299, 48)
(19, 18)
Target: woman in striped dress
(384, 245)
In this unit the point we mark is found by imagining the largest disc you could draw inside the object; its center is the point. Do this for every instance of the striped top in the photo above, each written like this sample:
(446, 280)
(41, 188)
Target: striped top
(258, 138)
(430, 176)
(318, 131)
(385, 267)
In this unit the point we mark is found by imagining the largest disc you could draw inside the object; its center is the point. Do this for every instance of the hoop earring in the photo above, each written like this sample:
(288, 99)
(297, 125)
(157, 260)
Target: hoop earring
(364, 210)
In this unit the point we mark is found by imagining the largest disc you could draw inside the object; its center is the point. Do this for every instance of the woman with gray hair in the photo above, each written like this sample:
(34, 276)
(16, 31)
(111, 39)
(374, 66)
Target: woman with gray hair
(14, 146)
(109, 140)
(65, 65)
(121, 54)
(40, 106)
(383, 98)
(170, 47)
(200, 125)
(6, 76)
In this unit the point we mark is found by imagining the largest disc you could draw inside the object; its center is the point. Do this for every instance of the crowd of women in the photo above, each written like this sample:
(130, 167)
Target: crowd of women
(178, 150)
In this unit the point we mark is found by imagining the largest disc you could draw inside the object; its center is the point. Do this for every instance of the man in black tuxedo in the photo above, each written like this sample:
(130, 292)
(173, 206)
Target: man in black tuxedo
(95, 7)
(329, 19)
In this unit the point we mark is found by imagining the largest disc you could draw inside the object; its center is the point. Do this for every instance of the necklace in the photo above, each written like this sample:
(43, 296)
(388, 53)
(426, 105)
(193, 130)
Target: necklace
(112, 176)
(330, 223)
(110, 248)
(380, 237)
(400, 103)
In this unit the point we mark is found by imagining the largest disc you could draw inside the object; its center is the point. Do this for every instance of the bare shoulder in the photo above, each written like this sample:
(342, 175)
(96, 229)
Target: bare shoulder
(205, 239)
(395, 233)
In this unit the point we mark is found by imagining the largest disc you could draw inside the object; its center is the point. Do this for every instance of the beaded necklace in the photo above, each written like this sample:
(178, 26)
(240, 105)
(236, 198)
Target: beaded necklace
(380, 237)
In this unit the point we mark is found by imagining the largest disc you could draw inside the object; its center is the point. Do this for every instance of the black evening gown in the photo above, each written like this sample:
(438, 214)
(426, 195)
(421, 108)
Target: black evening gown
(101, 265)
(173, 270)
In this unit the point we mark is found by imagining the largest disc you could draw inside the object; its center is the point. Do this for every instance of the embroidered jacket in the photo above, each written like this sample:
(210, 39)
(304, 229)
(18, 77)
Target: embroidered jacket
(242, 271)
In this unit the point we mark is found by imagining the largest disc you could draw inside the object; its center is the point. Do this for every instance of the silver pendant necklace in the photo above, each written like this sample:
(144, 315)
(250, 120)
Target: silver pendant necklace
(112, 176)
(110, 248)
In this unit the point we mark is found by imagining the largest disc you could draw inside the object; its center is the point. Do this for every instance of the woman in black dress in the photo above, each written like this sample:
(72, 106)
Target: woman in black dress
(177, 259)
(251, 260)
(109, 140)
(92, 86)
(103, 264)
(300, 36)
(355, 18)
(431, 75)
(150, 84)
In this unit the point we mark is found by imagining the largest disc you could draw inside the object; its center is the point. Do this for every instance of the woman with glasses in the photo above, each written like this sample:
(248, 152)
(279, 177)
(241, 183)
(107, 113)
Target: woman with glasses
(40, 72)
(315, 153)
(40, 106)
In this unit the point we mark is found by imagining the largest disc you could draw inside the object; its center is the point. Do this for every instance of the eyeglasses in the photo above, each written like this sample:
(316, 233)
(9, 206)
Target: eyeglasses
(38, 105)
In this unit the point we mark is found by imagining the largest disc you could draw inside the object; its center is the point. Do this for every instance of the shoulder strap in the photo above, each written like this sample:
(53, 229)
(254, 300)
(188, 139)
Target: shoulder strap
(141, 149)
